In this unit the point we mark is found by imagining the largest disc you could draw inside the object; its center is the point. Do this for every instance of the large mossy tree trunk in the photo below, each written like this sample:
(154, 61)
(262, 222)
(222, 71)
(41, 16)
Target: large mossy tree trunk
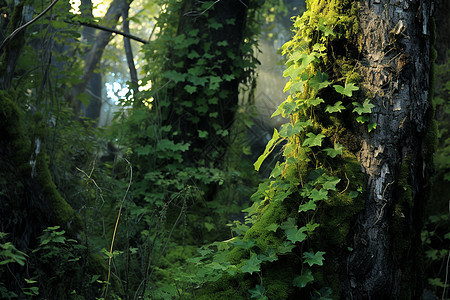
(394, 64)
(357, 169)
(29, 199)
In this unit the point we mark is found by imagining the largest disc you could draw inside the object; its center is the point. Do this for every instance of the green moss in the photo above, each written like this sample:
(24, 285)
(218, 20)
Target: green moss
(274, 213)
(63, 213)
(13, 131)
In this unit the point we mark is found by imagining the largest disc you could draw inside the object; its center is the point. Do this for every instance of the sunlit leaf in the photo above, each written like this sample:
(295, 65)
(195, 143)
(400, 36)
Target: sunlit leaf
(347, 91)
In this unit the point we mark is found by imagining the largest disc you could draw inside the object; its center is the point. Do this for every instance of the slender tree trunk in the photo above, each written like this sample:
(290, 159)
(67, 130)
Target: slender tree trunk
(128, 49)
(395, 67)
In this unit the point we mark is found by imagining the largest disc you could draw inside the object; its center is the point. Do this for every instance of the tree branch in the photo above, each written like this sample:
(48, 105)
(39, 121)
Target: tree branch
(15, 32)
(130, 36)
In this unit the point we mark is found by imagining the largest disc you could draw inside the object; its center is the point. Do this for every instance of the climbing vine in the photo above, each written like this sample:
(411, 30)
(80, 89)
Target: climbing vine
(318, 177)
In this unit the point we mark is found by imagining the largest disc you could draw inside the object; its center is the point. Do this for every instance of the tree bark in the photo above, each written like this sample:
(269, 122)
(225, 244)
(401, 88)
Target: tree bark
(395, 68)
(93, 57)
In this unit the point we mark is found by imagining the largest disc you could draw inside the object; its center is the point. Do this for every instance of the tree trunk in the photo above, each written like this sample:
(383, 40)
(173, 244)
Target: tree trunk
(93, 57)
(219, 25)
(395, 67)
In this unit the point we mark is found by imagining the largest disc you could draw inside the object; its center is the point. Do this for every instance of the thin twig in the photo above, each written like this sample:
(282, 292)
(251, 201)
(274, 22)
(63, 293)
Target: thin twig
(115, 227)
(130, 36)
(15, 32)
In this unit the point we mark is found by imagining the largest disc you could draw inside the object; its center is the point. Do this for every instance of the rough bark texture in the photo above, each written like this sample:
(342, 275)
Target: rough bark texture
(395, 68)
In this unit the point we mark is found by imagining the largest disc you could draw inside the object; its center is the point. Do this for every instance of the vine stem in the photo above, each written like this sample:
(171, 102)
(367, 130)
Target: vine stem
(115, 227)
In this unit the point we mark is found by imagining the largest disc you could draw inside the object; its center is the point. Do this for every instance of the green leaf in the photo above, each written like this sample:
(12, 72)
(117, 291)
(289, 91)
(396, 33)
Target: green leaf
(244, 244)
(365, 108)
(193, 54)
(214, 82)
(302, 280)
(251, 265)
(372, 126)
(314, 258)
(310, 227)
(347, 91)
(317, 195)
(362, 119)
(175, 76)
(330, 184)
(273, 227)
(190, 89)
(319, 81)
(313, 140)
(258, 292)
(310, 205)
(285, 247)
(316, 101)
(202, 134)
(269, 148)
(333, 152)
(337, 107)
(270, 255)
(198, 80)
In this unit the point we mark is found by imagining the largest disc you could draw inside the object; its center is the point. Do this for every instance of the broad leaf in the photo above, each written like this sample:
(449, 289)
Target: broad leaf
(337, 107)
(252, 264)
(269, 148)
(314, 258)
(318, 195)
(333, 152)
(365, 108)
(347, 91)
(313, 140)
(310, 205)
(302, 280)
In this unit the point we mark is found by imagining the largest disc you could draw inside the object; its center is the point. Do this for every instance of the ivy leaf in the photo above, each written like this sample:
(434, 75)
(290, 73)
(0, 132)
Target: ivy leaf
(316, 101)
(269, 148)
(244, 244)
(285, 247)
(258, 292)
(314, 258)
(317, 195)
(296, 235)
(337, 107)
(330, 184)
(310, 205)
(334, 152)
(319, 81)
(296, 87)
(362, 119)
(310, 227)
(198, 80)
(302, 280)
(214, 82)
(365, 108)
(202, 134)
(372, 126)
(270, 255)
(251, 265)
(175, 76)
(228, 77)
(272, 227)
(190, 89)
(193, 54)
(347, 91)
(313, 140)
(222, 44)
